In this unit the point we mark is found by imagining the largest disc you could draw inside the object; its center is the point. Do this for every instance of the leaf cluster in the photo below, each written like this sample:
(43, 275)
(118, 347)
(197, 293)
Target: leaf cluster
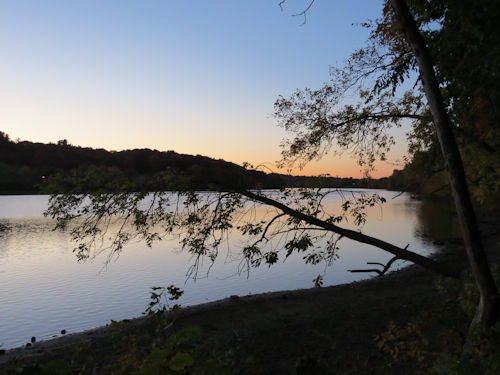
(202, 222)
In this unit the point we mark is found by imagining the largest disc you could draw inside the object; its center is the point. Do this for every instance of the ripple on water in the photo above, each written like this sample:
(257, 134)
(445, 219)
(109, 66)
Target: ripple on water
(43, 289)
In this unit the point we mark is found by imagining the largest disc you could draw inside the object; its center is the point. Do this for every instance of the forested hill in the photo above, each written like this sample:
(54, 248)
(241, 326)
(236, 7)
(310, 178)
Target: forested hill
(28, 167)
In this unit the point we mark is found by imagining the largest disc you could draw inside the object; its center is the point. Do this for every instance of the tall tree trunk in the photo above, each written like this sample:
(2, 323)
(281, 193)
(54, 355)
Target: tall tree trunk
(487, 312)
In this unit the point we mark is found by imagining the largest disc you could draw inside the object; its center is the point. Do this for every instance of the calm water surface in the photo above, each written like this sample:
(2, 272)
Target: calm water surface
(43, 289)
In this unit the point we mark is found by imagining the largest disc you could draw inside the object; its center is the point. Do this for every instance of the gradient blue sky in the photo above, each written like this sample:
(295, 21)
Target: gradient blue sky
(193, 76)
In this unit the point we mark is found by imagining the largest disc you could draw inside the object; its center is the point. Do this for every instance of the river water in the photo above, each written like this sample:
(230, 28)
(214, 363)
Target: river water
(43, 289)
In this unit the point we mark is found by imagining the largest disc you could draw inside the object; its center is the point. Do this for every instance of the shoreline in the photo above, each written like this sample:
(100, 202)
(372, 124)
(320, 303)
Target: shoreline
(61, 342)
(278, 331)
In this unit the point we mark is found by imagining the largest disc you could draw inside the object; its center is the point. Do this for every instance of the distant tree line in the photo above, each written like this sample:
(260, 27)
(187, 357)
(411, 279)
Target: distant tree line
(33, 168)
(29, 168)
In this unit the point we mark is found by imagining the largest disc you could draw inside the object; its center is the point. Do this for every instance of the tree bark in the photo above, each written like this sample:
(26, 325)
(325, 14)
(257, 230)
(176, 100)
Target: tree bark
(487, 312)
(401, 253)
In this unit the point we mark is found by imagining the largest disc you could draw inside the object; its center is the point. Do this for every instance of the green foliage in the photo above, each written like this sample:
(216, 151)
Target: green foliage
(318, 281)
(27, 167)
(180, 361)
(52, 367)
(321, 127)
(203, 221)
(462, 36)
(403, 343)
(19, 179)
(300, 244)
(161, 298)
(156, 348)
(176, 354)
(358, 206)
(442, 343)
(56, 367)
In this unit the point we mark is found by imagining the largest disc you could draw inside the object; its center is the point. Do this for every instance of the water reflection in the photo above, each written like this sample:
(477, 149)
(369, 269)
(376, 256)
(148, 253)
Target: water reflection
(437, 220)
(43, 289)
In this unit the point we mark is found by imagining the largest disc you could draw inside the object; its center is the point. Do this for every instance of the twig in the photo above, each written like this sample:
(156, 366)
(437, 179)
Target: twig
(384, 269)
(303, 13)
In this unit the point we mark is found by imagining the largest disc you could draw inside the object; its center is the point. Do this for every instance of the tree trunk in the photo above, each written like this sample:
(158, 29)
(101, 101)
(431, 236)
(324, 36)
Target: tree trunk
(487, 312)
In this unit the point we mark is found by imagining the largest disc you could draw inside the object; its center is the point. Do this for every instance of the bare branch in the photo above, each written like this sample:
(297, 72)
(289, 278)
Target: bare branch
(269, 224)
(304, 13)
(383, 270)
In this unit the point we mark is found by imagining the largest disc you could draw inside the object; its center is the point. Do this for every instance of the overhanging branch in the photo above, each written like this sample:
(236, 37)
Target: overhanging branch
(401, 253)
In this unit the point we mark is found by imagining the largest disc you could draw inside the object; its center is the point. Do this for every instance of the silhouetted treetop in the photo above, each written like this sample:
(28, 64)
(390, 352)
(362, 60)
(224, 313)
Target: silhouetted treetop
(31, 167)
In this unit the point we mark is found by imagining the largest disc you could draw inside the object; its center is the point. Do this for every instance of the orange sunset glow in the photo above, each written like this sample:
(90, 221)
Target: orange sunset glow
(160, 79)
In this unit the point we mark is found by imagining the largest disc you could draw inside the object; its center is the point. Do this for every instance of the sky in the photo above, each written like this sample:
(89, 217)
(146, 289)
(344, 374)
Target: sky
(193, 76)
